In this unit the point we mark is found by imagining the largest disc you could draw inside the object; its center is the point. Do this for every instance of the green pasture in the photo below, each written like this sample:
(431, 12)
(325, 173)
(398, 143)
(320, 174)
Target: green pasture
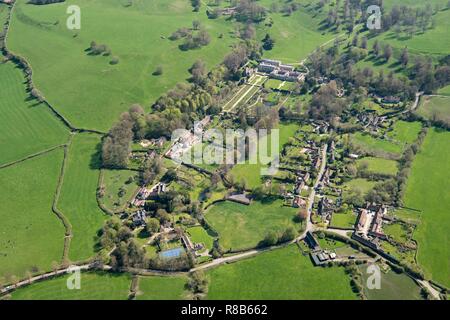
(251, 173)
(87, 89)
(394, 286)
(31, 235)
(435, 108)
(240, 226)
(26, 127)
(161, 288)
(78, 195)
(379, 165)
(199, 235)
(93, 286)
(405, 132)
(279, 274)
(115, 181)
(427, 191)
(371, 144)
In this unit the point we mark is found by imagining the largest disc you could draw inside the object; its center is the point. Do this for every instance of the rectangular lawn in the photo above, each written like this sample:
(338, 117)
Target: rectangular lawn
(240, 226)
(279, 274)
(427, 190)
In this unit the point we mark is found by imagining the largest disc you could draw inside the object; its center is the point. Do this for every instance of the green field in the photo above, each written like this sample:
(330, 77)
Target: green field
(93, 286)
(295, 36)
(240, 226)
(405, 132)
(371, 144)
(30, 233)
(363, 185)
(161, 288)
(431, 42)
(427, 190)
(88, 90)
(252, 172)
(279, 274)
(3, 13)
(379, 165)
(78, 195)
(445, 91)
(114, 181)
(394, 286)
(26, 127)
(435, 108)
(343, 220)
(199, 235)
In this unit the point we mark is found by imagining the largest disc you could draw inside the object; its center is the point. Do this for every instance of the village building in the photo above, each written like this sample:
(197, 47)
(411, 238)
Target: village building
(299, 202)
(139, 218)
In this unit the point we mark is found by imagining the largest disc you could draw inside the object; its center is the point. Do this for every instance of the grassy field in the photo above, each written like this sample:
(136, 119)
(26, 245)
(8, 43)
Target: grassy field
(369, 143)
(343, 220)
(240, 226)
(445, 91)
(295, 36)
(78, 195)
(87, 89)
(379, 165)
(114, 181)
(94, 286)
(405, 132)
(427, 190)
(431, 42)
(252, 172)
(26, 127)
(435, 107)
(199, 235)
(30, 233)
(161, 288)
(279, 274)
(363, 185)
(3, 13)
(394, 286)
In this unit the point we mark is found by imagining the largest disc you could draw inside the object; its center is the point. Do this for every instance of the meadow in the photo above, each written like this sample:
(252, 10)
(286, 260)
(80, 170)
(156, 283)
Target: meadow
(31, 235)
(435, 107)
(427, 190)
(343, 220)
(119, 186)
(87, 89)
(240, 226)
(394, 286)
(444, 91)
(26, 127)
(430, 42)
(359, 185)
(278, 274)
(251, 173)
(199, 235)
(379, 165)
(161, 288)
(295, 36)
(371, 144)
(94, 286)
(405, 132)
(78, 195)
